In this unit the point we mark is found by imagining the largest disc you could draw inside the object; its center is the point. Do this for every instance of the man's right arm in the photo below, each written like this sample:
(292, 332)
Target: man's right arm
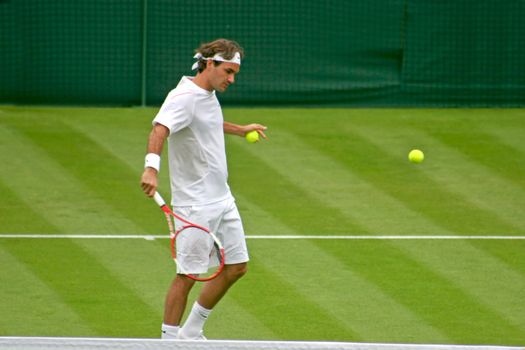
(149, 181)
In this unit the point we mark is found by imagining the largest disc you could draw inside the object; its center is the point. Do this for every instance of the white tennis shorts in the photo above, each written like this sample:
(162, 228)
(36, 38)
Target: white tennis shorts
(221, 218)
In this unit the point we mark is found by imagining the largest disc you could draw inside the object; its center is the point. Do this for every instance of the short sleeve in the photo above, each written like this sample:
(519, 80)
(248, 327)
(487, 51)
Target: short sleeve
(176, 112)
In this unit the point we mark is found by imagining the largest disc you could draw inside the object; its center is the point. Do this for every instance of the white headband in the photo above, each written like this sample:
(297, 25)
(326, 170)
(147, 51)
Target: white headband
(218, 57)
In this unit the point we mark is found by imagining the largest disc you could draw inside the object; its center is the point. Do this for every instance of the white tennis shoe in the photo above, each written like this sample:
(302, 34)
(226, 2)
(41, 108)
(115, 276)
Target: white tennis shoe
(199, 337)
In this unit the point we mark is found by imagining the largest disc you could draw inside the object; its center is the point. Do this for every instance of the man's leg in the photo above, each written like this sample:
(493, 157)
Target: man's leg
(211, 293)
(176, 301)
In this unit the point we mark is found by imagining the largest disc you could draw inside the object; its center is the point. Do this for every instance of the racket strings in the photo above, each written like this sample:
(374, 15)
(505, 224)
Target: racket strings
(171, 226)
(216, 252)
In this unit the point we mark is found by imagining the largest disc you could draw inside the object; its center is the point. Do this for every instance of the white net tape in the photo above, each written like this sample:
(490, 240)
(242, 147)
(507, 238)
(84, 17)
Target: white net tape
(18, 343)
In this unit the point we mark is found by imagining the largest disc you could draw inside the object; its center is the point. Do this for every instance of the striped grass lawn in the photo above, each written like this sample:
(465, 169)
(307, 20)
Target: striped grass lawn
(322, 172)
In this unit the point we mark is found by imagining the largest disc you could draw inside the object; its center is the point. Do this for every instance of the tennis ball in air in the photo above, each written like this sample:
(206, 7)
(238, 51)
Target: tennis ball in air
(252, 136)
(416, 156)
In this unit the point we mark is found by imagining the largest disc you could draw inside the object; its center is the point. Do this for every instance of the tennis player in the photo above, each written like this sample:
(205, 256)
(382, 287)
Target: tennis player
(192, 121)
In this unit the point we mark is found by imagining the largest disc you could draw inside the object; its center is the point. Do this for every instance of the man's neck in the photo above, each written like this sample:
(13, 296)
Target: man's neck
(201, 81)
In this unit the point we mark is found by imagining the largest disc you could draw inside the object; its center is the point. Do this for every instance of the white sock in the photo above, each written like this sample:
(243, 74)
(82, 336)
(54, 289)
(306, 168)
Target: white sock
(192, 328)
(169, 332)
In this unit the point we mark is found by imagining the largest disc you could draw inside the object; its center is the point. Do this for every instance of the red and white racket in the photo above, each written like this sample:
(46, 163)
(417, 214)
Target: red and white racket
(195, 238)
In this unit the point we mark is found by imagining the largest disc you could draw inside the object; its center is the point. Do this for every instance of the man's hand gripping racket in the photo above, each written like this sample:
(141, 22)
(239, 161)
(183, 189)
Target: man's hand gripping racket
(195, 238)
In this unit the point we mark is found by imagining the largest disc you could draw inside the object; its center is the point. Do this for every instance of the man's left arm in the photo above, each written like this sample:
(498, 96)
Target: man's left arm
(242, 130)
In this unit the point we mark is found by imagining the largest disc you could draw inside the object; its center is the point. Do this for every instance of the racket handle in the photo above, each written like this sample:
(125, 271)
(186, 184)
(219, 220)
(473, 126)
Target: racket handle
(159, 199)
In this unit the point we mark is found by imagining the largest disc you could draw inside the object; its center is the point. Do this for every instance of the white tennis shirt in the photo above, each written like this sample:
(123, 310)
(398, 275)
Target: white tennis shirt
(196, 151)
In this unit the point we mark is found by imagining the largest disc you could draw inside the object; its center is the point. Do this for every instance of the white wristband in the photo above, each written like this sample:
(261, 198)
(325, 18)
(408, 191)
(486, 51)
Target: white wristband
(152, 161)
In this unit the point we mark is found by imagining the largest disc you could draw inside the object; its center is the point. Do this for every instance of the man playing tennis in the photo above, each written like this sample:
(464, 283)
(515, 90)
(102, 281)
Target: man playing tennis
(192, 121)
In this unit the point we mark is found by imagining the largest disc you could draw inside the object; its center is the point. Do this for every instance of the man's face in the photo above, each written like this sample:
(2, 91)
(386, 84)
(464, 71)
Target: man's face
(221, 76)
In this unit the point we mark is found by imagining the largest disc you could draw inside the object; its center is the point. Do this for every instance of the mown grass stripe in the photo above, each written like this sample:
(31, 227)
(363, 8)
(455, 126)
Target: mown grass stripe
(351, 300)
(469, 181)
(507, 252)
(289, 203)
(411, 186)
(311, 124)
(510, 136)
(29, 307)
(123, 132)
(457, 173)
(426, 293)
(487, 150)
(257, 220)
(279, 305)
(230, 320)
(43, 185)
(128, 145)
(488, 280)
(16, 216)
(87, 287)
(145, 267)
(96, 169)
(338, 187)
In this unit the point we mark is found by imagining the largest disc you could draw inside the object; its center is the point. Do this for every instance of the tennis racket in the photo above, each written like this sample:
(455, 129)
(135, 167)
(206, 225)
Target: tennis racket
(193, 241)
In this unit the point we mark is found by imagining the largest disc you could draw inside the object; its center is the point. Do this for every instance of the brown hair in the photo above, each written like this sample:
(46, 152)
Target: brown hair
(227, 48)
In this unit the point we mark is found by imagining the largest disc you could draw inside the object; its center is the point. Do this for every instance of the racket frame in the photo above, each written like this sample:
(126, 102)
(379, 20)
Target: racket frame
(188, 224)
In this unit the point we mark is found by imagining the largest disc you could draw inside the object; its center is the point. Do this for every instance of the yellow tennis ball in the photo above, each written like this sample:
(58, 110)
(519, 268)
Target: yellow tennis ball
(416, 156)
(252, 136)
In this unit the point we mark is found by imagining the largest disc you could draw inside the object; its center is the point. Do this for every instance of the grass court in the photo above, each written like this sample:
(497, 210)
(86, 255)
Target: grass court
(323, 172)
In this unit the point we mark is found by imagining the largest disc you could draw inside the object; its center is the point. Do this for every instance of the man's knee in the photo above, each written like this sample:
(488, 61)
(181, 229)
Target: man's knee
(183, 282)
(237, 271)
